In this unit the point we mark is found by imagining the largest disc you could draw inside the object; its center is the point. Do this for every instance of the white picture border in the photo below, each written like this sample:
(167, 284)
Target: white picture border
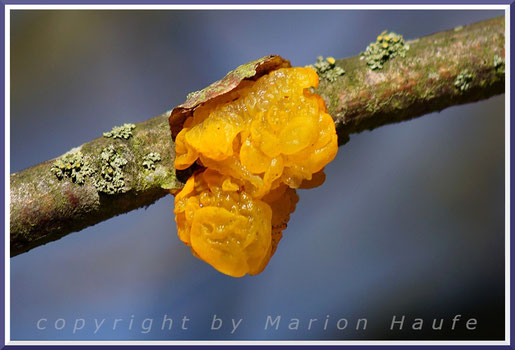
(9, 8)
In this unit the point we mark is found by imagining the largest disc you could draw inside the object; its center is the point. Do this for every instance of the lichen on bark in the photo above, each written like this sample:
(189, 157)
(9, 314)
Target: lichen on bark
(44, 208)
(419, 83)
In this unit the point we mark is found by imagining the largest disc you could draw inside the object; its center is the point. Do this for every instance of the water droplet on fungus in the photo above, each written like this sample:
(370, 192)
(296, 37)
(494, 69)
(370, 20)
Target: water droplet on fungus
(256, 147)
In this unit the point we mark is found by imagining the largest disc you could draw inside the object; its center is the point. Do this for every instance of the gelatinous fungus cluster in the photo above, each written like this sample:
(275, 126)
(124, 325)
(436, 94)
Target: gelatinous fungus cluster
(255, 146)
(73, 166)
(386, 47)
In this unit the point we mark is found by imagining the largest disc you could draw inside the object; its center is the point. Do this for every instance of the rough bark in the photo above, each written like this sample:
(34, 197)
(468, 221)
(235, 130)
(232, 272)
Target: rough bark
(43, 208)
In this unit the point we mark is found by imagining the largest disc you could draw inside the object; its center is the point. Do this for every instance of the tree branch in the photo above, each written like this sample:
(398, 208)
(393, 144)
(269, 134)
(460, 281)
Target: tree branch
(44, 208)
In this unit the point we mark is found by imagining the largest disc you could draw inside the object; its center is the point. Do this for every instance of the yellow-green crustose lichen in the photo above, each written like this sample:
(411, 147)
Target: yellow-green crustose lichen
(498, 64)
(150, 160)
(111, 178)
(74, 166)
(387, 46)
(121, 132)
(191, 94)
(327, 68)
(463, 80)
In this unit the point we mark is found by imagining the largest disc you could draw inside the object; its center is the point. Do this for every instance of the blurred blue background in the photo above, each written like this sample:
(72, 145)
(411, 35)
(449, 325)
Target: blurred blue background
(410, 220)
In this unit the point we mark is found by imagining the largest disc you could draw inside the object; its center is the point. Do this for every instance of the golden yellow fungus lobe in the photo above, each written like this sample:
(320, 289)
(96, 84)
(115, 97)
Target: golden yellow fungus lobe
(256, 146)
(273, 131)
(228, 228)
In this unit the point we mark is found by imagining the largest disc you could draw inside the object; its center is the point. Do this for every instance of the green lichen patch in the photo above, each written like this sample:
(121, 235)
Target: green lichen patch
(150, 160)
(193, 93)
(386, 47)
(111, 178)
(121, 132)
(499, 65)
(463, 80)
(327, 69)
(73, 166)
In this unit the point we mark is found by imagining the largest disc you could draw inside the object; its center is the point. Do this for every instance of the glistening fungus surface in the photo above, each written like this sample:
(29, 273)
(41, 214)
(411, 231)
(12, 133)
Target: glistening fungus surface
(256, 146)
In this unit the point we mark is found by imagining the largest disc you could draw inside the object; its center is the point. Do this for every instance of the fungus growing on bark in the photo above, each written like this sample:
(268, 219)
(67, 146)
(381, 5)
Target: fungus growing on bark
(256, 142)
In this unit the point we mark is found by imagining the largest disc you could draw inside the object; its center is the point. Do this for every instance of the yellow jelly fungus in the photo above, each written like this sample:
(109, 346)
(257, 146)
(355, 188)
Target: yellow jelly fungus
(228, 228)
(264, 140)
